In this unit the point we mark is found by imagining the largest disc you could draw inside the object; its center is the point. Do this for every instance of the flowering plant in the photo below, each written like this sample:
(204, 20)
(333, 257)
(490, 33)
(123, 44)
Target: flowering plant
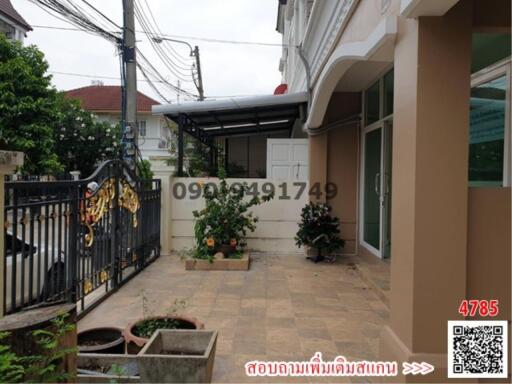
(226, 219)
(318, 229)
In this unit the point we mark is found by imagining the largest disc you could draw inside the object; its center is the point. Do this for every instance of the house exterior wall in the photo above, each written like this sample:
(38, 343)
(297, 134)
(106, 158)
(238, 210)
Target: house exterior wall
(449, 241)
(18, 33)
(157, 133)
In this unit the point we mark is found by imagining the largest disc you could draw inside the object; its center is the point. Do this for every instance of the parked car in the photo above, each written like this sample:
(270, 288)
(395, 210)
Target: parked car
(44, 283)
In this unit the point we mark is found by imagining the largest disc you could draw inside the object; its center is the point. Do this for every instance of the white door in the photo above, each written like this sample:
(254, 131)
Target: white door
(287, 159)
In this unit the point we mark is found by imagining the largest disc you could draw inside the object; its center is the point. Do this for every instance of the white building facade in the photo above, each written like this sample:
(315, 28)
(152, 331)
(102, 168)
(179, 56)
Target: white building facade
(12, 24)
(104, 101)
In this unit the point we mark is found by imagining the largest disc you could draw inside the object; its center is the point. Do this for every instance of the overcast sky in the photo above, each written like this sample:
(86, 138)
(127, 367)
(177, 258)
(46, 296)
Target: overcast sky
(228, 69)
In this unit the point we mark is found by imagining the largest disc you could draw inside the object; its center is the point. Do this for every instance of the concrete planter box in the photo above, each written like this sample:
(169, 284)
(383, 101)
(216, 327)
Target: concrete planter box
(178, 356)
(87, 361)
(219, 264)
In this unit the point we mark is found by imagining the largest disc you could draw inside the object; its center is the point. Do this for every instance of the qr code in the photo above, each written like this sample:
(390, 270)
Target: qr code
(477, 349)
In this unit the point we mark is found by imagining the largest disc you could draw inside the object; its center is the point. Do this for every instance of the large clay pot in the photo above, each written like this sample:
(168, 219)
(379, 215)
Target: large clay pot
(101, 340)
(135, 343)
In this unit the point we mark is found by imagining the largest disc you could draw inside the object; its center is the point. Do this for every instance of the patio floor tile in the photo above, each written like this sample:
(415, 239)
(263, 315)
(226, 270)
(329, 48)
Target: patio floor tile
(283, 309)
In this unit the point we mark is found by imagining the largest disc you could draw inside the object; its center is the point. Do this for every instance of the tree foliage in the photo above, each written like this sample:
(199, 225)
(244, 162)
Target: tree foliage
(27, 106)
(81, 141)
(55, 134)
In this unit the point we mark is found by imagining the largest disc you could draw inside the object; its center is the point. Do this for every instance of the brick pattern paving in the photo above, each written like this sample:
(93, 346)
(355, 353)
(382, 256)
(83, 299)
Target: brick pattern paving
(285, 308)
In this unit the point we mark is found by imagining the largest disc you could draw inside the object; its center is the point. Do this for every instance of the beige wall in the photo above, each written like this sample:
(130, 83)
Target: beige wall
(334, 159)
(342, 168)
(342, 163)
(489, 246)
(430, 160)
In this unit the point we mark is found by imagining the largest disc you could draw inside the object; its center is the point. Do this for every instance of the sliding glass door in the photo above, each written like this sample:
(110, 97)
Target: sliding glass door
(376, 188)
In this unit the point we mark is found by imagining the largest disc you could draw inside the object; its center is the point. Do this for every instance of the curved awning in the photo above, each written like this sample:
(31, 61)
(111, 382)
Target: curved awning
(342, 59)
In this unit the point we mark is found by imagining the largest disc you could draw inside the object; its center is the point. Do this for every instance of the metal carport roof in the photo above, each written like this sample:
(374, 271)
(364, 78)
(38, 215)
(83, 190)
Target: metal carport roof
(208, 120)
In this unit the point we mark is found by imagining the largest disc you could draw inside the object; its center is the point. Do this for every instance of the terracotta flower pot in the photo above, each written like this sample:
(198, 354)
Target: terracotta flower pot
(135, 343)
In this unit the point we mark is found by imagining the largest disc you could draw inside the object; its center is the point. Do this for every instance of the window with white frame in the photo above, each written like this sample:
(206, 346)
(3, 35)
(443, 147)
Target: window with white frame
(490, 128)
(141, 125)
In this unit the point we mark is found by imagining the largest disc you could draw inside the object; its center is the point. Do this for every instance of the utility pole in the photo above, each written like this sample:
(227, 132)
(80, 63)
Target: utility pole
(130, 131)
(193, 53)
(200, 88)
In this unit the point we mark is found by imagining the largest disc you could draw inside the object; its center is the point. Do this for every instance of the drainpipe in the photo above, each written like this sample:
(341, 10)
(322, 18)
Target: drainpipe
(307, 68)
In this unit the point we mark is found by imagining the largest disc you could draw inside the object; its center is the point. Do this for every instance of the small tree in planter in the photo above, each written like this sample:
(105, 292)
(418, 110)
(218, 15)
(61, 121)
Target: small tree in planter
(225, 221)
(319, 230)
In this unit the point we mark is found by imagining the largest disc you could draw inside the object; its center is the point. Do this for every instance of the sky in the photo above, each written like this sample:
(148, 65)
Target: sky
(228, 69)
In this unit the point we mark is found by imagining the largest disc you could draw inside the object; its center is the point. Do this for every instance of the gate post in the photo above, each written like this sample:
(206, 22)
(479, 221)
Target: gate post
(164, 173)
(115, 245)
(9, 161)
(72, 254)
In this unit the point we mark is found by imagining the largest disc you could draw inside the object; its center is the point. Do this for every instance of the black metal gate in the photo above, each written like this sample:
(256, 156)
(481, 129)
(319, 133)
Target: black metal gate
(77, 241)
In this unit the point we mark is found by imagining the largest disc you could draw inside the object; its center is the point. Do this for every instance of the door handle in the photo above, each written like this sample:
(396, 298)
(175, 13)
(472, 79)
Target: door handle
(377, 183)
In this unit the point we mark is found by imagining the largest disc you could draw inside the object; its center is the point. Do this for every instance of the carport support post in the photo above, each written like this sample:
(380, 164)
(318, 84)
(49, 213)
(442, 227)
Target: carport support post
(9, 161)
(181, 121)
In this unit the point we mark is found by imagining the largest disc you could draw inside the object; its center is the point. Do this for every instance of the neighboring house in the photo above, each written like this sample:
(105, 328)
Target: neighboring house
(104, 101)
(12, 24)
(409, 115)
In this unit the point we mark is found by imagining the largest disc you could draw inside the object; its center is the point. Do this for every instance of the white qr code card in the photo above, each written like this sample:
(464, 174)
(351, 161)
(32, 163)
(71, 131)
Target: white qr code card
(477, 349)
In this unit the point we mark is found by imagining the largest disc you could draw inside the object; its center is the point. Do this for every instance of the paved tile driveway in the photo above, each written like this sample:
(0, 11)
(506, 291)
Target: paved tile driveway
(285, 308)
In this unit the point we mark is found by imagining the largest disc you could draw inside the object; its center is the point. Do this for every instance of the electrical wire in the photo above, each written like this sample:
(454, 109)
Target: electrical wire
(179, 57)
(71, 13)
(198, 38)
(174, 68)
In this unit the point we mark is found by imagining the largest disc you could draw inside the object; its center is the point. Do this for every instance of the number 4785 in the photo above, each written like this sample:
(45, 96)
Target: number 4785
(481, 307)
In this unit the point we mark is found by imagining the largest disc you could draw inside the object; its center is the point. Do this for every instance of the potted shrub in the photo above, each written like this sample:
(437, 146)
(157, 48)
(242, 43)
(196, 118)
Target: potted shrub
(140, 331)
(320, 231)
(225, 221)
(178, 356)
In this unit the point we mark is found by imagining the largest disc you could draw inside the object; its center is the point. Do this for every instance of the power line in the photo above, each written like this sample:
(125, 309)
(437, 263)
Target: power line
(71, 13)
(206, 39)
(168, 62)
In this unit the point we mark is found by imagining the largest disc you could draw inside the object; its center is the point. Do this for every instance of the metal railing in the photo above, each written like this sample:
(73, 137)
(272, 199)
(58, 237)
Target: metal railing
(77, 241)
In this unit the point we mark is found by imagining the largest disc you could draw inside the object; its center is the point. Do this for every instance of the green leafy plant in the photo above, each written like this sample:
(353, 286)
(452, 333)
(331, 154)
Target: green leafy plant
(318, 229)
(42, 368)
(144, 169)
(226, 218)
(151, 324)
(118, 371)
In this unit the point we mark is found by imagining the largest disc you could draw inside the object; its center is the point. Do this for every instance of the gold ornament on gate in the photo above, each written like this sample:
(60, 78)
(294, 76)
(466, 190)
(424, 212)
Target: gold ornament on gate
(97, 205)
(103, 276)
(87, 286)
(129, 200)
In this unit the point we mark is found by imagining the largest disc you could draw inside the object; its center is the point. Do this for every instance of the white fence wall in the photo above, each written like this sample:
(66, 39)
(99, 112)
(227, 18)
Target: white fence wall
(278, 218)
